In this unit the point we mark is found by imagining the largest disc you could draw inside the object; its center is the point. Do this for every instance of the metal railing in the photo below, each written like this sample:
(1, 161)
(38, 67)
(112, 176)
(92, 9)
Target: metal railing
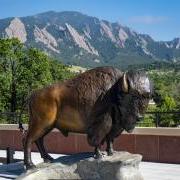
(161, 119)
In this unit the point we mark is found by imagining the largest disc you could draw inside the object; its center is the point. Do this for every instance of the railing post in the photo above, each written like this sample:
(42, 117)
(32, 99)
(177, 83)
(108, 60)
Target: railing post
(9, 155)
(157, 119)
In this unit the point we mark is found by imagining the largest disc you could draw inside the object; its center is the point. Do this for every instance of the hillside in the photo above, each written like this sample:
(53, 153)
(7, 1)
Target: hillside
(78, 39)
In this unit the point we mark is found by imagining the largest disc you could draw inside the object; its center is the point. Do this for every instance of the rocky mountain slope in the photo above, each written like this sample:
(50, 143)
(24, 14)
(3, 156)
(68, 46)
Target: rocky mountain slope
(79, 39)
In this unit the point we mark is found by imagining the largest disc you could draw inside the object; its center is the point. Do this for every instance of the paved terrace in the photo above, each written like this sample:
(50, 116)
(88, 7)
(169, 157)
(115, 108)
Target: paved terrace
(150, 171)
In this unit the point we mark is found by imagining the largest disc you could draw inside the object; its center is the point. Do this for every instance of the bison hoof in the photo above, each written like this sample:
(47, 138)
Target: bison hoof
(98, 156)
(48, 159)
(110, 152)
(30, 166)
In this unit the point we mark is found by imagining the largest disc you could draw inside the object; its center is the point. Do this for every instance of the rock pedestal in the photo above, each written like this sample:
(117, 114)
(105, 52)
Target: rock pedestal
(120, 166)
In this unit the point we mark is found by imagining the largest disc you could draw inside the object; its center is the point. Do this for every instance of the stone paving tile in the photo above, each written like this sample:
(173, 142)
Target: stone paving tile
(160, 171)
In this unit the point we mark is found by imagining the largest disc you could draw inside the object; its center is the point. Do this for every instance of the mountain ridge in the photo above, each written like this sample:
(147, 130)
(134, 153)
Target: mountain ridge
(79, 39)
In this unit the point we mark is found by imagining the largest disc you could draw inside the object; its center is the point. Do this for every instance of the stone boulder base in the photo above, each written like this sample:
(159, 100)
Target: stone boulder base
(120, 166)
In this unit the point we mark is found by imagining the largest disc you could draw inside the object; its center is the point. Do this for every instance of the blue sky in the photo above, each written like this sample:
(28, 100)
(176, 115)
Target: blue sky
(158, 18)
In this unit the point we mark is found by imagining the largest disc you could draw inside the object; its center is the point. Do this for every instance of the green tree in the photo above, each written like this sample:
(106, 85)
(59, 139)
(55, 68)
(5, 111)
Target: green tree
(168, 104)
(22, 70)
(59, 71)
(34, 73)
(11, 53)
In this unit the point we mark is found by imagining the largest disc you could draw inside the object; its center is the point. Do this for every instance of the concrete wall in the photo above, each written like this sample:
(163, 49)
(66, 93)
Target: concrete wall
(155, 144)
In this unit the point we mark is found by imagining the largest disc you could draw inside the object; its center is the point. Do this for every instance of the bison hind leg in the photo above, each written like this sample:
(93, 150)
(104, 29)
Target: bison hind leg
(35, 134)
(27, 153)
(40, 145)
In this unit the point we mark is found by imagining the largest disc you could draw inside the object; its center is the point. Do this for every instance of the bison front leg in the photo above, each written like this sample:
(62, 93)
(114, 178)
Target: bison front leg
(109, 148)
(97, 152)
(98, 131)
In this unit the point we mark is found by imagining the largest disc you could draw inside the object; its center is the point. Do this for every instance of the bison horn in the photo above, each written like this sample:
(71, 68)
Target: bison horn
(125, 83)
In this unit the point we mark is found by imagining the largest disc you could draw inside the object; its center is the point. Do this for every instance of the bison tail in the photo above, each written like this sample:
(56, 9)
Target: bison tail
(21, 128)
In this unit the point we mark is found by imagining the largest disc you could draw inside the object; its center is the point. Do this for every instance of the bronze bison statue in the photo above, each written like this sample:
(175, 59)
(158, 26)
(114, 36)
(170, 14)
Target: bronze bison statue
(101, 103)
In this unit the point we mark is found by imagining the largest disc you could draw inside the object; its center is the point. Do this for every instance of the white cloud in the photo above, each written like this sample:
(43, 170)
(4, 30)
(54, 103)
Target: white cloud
(148, 19)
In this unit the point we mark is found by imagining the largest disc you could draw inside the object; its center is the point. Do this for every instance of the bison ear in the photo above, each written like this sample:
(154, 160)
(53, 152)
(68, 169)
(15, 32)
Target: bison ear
(125, 83)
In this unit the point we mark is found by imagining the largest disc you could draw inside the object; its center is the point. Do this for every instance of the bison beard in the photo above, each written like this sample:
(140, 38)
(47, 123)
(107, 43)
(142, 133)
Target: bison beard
(93, 103)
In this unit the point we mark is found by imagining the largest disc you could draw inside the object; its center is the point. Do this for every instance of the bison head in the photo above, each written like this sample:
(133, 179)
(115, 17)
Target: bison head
(133, 95)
